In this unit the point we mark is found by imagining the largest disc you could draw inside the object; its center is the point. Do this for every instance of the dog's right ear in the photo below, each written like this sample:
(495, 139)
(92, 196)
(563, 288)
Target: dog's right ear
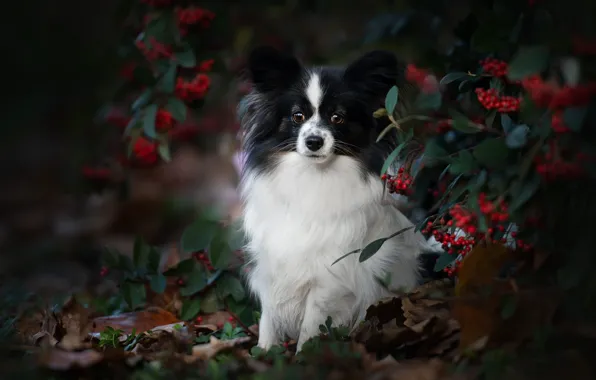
(272, 70)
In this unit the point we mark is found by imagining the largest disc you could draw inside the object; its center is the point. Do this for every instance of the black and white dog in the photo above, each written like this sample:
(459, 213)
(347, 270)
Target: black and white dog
(311, 193)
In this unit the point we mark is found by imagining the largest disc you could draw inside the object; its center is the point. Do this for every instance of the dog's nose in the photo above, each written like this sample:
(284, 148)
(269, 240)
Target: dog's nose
(314, 143)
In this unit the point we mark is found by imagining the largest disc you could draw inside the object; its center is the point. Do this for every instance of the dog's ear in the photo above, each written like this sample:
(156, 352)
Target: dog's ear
(272, 70)
(374, 73)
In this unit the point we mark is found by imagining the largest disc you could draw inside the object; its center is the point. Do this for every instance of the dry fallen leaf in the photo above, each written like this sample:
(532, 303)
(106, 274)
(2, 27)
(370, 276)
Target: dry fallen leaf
(60, 360)
(139, 320)
(209, 350)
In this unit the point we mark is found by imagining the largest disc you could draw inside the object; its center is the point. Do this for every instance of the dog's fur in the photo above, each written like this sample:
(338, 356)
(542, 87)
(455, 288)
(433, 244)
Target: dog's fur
(304, 209)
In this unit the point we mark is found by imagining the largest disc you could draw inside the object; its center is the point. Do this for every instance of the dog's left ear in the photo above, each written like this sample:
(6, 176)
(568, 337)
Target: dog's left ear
(374, 73)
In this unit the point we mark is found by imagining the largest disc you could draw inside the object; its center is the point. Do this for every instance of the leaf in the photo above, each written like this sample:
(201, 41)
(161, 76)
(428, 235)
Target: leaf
(164, 151)
(229, 285)
(443, 261)
(168, 81)
(526, 192)
(380, 113)
(374, 246)
(509, 306)
(431, 101)
(433, 150)
(110, 259)
(518, 137)
(462, 123)
(158, 283)
(153, 260)
(527, 61)
(386, 130)
(220, 252)
(452, 77)
(491, 153)
(391, 100)
(236, 237)
(140, 253)
(190, 309)
(198, 235)
(464, 163)
(134, 294)
(149, 121)
(142, 100)
(389, 160)
(186, 58)
(184, 267)
(197, 281)
(506, 123)
(574, 117)
(177, 108)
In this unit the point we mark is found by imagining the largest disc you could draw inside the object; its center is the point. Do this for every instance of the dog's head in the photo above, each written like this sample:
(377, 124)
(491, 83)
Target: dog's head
(317, 112)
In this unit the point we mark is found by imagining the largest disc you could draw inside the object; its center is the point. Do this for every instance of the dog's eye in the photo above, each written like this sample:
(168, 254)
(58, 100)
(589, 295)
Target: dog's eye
(298, 117)
(336, 119)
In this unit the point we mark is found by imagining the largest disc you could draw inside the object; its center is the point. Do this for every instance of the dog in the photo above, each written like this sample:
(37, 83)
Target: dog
(311, 192)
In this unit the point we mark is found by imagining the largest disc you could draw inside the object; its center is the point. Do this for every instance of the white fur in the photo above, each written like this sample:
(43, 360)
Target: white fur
(302, 216)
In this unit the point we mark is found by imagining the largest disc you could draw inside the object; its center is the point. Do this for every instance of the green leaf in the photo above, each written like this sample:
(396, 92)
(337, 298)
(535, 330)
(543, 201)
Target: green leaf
(190, 309)
(210, 302)
(142, 100)
(186, 58)
(508, 307)
(236, 237)
(140, 253)
(462, 123)
(386, 130)
(184, 267)
(452, 77)
(492, 153)
(220, 252)
(198, 235)
(177, 108)
(380, 113)
(168, 81)
(158, 283)
(110, 259)
(490, 118)
(433, 150)
(574, 117)
(527, 61)
(464, 163)
(525, 192)
(389, 160)
(374, 246)
(391, 100)
(518, 137)
(506, 123)
(134, 294)
(164, 151)
(153, 259)
(149, 121)
(430, 102)
(443, 261)
(229, 285)
(197, 281)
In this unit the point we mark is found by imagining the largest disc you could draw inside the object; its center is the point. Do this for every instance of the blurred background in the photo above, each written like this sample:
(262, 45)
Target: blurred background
(68, 186)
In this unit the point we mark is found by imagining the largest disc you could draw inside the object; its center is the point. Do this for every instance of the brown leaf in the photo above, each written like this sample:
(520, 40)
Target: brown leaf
(390, 369)
(209, 350)
(60, 360)
(138, 320)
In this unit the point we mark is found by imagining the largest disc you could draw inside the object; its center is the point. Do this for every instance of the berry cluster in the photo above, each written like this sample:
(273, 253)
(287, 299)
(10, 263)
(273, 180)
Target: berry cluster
(154, 49)
(194, 89)
(145, 151)
(191, 16)
(400, 183)
(558, 124)
(493, 212)
(491, 100)
(551, 166)
(104, 271)
(203, 258)
(494, 67)
(163, 121)
(422, 78)
(550, 95)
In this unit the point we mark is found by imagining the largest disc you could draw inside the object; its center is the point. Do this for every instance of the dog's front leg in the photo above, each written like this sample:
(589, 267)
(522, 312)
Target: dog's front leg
(267, 333)
(320, 304)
